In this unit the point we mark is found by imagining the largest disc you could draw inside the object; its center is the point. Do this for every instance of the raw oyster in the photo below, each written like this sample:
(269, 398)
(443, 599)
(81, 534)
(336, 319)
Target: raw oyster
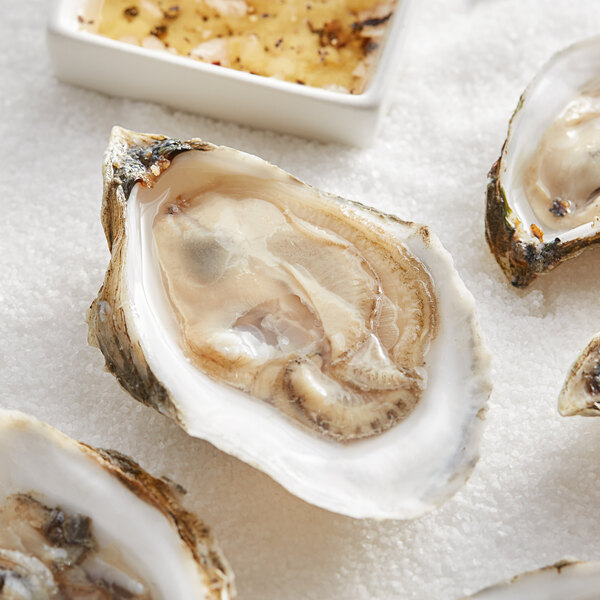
(580, 394)
(76, 522)
(543, 199)
(349, 321)
(566, 579)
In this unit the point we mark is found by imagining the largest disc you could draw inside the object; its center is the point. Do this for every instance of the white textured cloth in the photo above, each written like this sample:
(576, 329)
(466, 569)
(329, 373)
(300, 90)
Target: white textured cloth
(534, 495)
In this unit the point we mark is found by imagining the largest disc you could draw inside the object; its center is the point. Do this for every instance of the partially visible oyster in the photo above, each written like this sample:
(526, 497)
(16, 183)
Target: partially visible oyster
(580, 394)
(350, 325)
(566, 580)
(81, 523)
(543, 199)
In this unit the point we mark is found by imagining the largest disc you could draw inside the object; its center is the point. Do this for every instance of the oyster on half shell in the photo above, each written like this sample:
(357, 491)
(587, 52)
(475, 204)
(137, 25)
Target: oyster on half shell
(76, 522)
(567, 579)
(350, 328)
(543, 198)
(580, 394)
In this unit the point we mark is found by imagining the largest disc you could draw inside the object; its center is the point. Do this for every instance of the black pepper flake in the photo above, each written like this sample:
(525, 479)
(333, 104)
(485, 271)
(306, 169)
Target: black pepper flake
(278, 42)
(559, 207)
(300, 82)
(370, 46)
(374, 22)
(265, 15)
(131, 12)
(172, 12)
(332, 34)
(160, 31)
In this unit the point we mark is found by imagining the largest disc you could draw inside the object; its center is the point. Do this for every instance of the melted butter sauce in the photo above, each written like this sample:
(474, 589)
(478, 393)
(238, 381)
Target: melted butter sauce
(331, 44)
(562, 181)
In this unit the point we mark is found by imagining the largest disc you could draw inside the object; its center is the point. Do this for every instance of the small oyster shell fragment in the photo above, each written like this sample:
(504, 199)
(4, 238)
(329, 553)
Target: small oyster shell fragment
(566, 579)
(543, 197)
(580, 394)
(78, 522)
(349, 321)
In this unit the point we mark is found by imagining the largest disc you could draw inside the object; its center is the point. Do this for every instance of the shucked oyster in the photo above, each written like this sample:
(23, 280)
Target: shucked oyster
(567, 579)
(81, 523)
(580, 394)
(543, 202)
(353, 323)
(290, 299)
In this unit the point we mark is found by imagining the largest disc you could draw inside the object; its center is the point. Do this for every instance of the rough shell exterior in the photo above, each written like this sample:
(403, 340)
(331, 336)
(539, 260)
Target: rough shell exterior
(134, 159)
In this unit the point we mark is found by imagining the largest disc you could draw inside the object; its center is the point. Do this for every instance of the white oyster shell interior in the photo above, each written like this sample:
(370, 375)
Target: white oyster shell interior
(399, 474)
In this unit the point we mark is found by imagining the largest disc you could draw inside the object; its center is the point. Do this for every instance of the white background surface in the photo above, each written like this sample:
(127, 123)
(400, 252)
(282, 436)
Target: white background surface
(533, 497)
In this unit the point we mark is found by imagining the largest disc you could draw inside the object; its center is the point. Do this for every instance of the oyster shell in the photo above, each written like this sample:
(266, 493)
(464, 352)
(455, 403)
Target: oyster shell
(580, 394)
(543, 198)
(78, 522)
(347, 320)
(566, 579)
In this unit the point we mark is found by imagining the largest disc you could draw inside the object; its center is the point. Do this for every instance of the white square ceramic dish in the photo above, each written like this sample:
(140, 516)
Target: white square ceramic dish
(120, 69)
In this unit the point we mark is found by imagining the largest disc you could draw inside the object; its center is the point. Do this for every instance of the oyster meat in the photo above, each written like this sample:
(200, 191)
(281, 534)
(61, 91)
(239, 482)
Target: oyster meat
(291, 300)
(44, 549)
(566, 579)
(81, 523)
(543, 202)
(350, 328)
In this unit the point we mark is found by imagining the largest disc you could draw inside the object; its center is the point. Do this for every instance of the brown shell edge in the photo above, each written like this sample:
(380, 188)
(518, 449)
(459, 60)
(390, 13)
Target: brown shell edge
(196, 536)
(130, 158)
(521, 260)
